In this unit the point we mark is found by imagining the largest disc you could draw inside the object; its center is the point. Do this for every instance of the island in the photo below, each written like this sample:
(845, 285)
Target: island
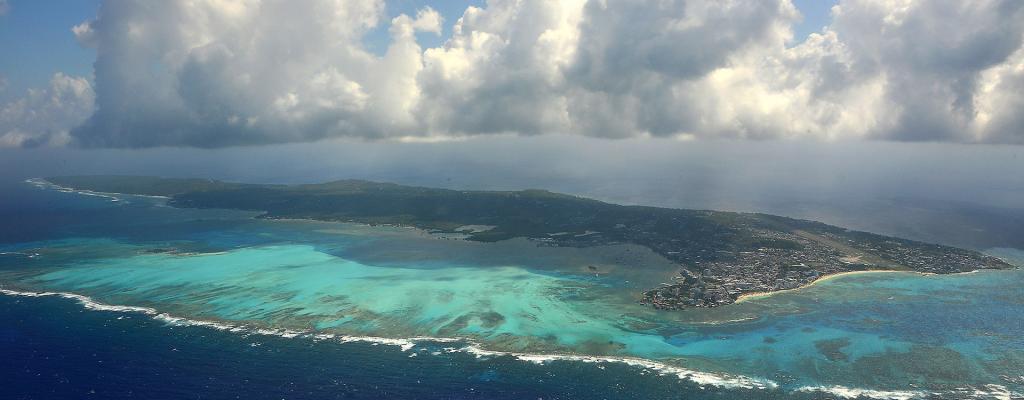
(721, 255)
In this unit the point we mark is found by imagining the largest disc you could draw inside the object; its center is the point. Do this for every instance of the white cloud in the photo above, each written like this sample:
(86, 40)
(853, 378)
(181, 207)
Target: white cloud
(230, 72)
(501, 71)
(427, 20)
(933, 59)
(4, 7)
(646, 67)
(192, 73)
(84, 34)
(44, 116)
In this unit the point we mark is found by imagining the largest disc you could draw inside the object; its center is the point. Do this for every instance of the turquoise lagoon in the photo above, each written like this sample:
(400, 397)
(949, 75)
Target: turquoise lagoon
(880, 334)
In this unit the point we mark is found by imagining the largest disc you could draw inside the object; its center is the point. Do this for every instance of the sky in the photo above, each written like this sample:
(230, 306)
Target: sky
(37, 43)
(32, 25)
(878, 114)
(221, 73)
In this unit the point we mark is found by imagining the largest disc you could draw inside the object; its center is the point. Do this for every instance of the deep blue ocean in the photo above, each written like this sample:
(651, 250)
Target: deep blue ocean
(942, 337)
(53, 348)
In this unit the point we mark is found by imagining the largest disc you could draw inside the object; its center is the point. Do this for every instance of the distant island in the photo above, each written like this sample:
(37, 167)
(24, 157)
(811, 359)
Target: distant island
(722, 255)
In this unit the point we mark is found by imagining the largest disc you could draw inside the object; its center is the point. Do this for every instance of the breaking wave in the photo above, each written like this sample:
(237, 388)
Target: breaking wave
(406, 344)
(113, 197)
(991, 391)
(721, 380)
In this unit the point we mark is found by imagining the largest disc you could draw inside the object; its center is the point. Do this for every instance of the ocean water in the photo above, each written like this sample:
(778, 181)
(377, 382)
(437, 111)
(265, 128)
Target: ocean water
(122, 296)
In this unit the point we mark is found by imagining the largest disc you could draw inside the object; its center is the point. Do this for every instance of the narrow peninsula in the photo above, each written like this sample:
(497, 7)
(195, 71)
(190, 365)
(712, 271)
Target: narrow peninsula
(722, 255)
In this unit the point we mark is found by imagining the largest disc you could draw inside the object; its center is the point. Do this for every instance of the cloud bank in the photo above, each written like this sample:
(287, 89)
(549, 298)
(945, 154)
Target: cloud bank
(221, 72)
(44, 116)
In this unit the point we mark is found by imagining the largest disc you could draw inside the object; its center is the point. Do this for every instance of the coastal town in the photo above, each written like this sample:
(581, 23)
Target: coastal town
(765, 270)
(721, 255)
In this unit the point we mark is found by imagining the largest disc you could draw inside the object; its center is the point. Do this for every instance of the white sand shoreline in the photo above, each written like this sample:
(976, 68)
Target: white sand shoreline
(759, 295)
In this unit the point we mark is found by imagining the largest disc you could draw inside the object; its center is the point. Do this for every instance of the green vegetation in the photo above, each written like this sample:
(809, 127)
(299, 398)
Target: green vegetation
(724, 254)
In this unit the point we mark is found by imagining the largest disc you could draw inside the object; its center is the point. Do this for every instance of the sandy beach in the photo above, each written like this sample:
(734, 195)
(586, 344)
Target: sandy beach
(757, 295)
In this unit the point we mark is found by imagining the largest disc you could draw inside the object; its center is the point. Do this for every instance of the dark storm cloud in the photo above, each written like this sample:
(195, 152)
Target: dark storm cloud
(620, 41)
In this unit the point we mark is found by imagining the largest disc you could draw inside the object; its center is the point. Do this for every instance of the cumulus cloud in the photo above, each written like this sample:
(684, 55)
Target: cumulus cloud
(44, 116)
(941, 64)
(232, 72)
(644, 67)
(501, 70)
(216, 73)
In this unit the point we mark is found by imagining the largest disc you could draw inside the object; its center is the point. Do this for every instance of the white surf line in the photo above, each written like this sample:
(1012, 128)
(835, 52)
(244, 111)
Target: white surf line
(991, 391)
(698, 377)
(854, 393)
(19, 253)
(406, 344)
(113, 196)
(988, 392)
(725, 321)
(43, 184)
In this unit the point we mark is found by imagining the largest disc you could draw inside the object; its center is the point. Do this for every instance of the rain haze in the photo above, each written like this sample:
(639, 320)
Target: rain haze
(813, 109)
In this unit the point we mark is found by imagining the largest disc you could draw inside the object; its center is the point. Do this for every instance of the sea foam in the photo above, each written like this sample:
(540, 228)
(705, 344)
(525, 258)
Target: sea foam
(986, 392)
(854, 393)
(406, 344)
(722, 380)
(112, 196)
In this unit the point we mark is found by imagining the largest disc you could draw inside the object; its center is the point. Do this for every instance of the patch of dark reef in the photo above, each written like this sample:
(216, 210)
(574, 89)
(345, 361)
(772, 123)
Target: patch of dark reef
(722, 255)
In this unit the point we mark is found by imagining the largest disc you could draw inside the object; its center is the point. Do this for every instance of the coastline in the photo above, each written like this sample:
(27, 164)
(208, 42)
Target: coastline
(466, 345)
(759, 295)
(336, 221)
(43, 183)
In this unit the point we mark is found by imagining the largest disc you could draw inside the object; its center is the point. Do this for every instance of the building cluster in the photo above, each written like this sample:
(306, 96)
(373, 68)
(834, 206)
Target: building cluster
(922, 257)
(764, 269)
(718, 266)
(767, 269)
